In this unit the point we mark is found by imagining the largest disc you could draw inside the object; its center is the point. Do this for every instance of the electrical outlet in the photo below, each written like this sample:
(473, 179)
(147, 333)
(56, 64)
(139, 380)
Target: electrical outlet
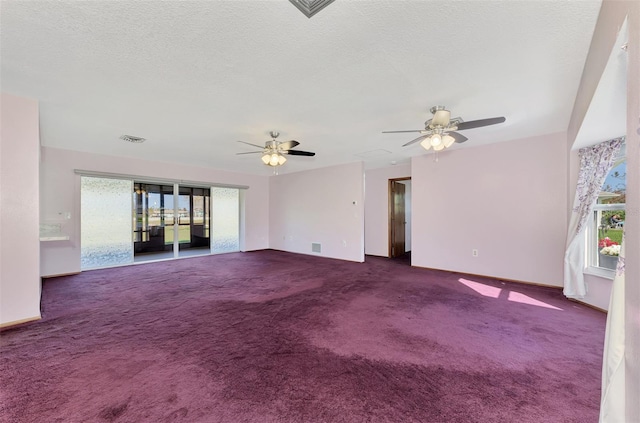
(344, 243)
(474, 253)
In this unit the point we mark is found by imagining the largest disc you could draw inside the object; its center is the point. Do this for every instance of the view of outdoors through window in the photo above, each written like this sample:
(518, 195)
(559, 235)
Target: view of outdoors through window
(609, 216)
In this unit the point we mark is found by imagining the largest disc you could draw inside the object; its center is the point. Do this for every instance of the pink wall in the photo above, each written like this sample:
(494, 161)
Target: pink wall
(632, 241)
(407, 215)
(507, 200)
(60, 194)
(376, 213)
(318, 206)
(610, 19)
(19, 228)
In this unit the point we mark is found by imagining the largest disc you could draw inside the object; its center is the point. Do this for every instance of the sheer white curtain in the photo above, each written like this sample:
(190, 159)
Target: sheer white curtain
(595, 163)
(612, 403)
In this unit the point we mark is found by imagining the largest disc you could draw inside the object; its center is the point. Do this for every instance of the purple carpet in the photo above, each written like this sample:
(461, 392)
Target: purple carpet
(277, 337)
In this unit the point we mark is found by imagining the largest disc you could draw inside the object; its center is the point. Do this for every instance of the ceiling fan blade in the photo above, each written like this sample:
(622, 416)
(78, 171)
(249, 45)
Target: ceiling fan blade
(458, 137)
(299, 153)
(397, 132)
(250, 152)
(255, 145)
(478, 123)
(287, 145)
(420, 138)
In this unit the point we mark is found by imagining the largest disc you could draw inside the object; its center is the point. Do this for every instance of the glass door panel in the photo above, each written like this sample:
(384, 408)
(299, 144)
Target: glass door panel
(152, 221)
(225, 220)
(168, 213)
(194, 221)
(105, 234)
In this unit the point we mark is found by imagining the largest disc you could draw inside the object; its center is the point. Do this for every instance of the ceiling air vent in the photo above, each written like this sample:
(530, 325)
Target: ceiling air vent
(131, 138)
(311, 7)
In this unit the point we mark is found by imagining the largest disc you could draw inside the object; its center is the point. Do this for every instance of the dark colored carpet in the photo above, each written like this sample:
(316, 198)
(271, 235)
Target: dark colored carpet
(277, 337)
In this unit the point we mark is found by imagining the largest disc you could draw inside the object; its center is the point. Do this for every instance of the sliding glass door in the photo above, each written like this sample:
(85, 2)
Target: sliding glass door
(125, 221)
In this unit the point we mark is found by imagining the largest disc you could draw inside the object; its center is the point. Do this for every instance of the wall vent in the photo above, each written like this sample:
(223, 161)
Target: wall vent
(316, 247)
(311, 7)
(131, 138)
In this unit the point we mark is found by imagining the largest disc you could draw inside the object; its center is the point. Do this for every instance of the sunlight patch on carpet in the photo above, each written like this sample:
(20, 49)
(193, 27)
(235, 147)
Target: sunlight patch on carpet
(482, 289)
(525, 299)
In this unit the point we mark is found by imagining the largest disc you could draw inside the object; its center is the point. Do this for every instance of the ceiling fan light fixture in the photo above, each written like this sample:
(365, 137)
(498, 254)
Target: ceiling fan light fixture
(273, 153)
(441, 125)
(448, 141)
(274, 160)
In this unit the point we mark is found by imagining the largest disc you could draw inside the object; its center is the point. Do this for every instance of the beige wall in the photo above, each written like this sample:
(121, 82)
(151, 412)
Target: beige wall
(19, 215)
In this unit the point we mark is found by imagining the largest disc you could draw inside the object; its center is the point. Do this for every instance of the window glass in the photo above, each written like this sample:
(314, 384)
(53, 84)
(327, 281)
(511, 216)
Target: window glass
(609, 216)
(105, 219)
(226, 220)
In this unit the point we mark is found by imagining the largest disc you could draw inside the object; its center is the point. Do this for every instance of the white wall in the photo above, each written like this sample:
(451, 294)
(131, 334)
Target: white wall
(60, 193)
(506, 200)
(376, 218)
(318, 206)
(19, 215)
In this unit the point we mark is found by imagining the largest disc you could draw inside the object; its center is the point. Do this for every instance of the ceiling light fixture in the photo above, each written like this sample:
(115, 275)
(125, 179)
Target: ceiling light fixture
(438, 142)
(273, 159)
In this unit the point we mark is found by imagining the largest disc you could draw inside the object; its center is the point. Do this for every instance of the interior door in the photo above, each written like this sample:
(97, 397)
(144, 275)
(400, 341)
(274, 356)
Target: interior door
(396, 219)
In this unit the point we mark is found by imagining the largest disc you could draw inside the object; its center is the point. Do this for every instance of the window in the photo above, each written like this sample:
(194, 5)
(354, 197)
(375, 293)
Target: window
(605, 236)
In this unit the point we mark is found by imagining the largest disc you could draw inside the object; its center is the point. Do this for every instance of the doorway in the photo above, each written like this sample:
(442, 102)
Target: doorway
(400, 218)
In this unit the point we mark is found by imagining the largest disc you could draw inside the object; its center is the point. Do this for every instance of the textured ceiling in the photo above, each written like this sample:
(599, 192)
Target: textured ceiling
(194, 77)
